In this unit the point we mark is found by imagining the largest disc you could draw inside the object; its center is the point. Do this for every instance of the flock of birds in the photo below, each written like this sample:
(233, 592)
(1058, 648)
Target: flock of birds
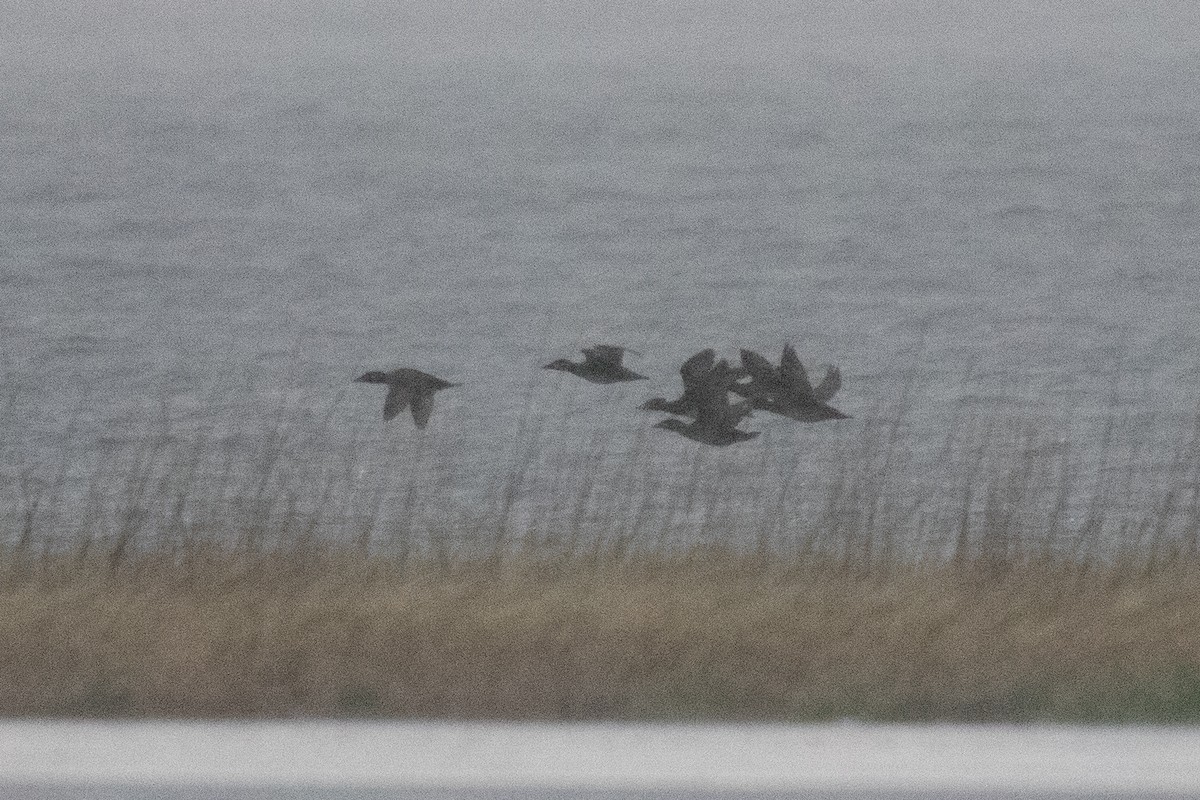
(707, 385)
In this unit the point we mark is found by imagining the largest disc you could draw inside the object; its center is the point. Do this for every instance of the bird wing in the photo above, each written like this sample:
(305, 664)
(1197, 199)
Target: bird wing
(713, 409)
(702, 387)
(829, 386)
(759, 368)
(792, 372)
(606, 355)
(422, 407)
(727, 374)
(397, 400)
(764, 378)
(697, 367)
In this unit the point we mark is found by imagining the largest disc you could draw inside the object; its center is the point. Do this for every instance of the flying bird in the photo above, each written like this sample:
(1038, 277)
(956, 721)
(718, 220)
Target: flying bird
(601, 364)
(706, 383)
(705, 398)
(706, 431)
(407, 388)
(786, 389)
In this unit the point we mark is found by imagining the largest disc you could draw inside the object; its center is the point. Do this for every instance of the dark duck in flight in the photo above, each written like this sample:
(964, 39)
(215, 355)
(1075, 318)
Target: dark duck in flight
(601, 364)
(786, 389)
(706, 385)
(707, 430)
(407, 388)
(705, 381)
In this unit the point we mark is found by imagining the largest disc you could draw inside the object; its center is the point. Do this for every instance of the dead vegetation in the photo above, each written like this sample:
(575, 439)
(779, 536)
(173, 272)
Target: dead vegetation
(1004, 575)
(707, 633)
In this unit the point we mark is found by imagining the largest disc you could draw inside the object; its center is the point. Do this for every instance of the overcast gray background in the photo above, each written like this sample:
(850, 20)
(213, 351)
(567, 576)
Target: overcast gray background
(214, 215)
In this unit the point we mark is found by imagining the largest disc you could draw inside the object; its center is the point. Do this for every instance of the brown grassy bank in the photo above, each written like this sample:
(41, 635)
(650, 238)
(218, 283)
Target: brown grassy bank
(1003, 572)
(701, 633)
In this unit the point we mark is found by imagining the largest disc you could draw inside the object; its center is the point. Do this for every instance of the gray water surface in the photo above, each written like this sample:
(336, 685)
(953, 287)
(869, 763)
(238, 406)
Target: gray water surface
(213, 219)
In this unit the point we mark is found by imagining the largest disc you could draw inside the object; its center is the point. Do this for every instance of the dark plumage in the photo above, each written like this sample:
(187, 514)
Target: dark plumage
(407, 387)
(705, 398)
(706, 383)
(601, 364)
(704, 431)
(786, 389)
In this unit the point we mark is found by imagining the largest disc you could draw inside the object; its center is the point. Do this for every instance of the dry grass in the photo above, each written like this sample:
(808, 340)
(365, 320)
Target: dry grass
(1003, 573)
(700, 634)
